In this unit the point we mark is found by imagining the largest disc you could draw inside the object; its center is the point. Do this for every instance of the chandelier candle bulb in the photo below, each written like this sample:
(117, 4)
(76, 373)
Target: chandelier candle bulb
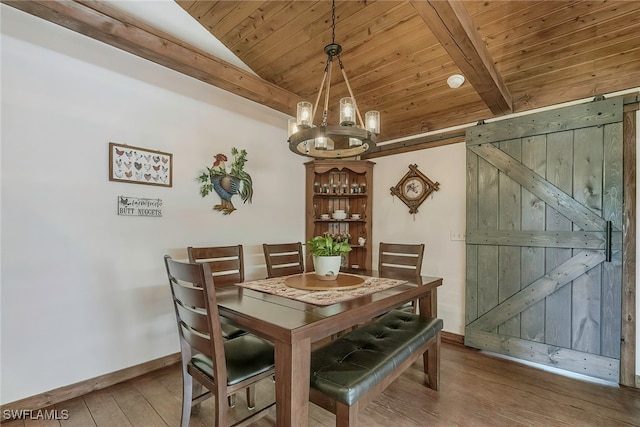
(304, 114)
(354, 142)
(321, 143)
(293, 126)
(347, 112)
(372, 120)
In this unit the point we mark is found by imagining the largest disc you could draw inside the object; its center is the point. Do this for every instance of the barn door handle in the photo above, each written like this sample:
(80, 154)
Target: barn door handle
(607, 243)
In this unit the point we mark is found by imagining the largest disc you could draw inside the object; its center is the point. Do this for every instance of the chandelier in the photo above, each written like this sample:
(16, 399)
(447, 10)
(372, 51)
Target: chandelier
(352, 136)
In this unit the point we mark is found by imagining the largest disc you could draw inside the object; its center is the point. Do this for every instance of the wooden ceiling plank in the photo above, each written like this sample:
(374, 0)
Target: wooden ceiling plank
(590, 83)
(198, 9)
(507, 12)
(443, 119)
(243, 47)
(302, 45)
(420, 143)
(104, 23)
(589, 72)
(452, 25)
(215, 14)
(362, 34)
(537, 46)
(618, 53)
(359, 68)
(266, 13)
(552, 24)
(236, 16)
(589, 40)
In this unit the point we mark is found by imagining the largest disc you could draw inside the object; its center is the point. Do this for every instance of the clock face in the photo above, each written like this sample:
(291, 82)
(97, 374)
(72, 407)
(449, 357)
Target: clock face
(413, 188)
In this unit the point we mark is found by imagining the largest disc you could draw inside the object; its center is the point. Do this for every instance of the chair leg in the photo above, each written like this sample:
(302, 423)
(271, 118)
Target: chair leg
(346, 416)
(251, 397)
(221, 411)
(231, 400)
(197, 391)
(431, 359)
(187, 397)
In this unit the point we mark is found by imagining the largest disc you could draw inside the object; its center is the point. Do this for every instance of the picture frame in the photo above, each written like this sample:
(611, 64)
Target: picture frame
(137, 165)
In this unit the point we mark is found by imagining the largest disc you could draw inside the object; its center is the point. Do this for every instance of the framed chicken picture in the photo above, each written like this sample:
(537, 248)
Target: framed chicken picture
(140, 165)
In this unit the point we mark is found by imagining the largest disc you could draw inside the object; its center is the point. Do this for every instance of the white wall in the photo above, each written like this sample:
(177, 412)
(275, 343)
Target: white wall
(84, 290)
(441, 213)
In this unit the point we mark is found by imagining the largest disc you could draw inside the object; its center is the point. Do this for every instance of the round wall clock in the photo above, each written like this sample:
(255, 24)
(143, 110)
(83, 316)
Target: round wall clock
(413, 188)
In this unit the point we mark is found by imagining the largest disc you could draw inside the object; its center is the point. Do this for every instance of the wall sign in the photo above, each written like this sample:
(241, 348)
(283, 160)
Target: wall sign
(134, 206)
(139, 165)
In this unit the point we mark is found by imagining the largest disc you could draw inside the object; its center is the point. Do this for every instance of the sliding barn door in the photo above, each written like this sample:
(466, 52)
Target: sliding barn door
(544, 221)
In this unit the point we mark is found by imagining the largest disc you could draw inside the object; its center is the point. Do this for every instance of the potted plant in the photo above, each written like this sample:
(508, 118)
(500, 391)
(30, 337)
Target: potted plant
(327, 251)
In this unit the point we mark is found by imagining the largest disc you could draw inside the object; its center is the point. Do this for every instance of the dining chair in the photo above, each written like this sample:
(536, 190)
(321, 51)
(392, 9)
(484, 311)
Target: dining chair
(283, 259)
(226, 262)
(401, 259)
(223, 367)
(227, 268)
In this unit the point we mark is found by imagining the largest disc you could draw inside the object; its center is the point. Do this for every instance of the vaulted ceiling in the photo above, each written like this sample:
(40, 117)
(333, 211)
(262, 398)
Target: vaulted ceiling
(515, 55)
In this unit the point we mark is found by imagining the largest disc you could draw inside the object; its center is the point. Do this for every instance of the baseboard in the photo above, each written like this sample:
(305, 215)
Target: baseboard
(65, 393)
(452, 338)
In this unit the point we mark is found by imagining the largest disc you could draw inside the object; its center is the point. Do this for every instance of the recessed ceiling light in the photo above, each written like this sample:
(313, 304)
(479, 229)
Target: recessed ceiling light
(455, 81)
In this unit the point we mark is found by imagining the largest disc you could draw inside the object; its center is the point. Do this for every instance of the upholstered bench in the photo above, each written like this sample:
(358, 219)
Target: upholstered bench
(350, 371)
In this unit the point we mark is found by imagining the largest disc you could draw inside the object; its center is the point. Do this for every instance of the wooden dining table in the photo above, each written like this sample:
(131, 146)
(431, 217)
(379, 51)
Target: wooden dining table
(294, 325)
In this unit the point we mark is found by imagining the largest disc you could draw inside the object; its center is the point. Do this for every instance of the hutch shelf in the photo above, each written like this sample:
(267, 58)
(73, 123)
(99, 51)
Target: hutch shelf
(341, 185)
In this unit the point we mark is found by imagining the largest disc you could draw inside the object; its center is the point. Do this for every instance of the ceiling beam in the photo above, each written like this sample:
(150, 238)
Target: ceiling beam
(99, 21)
(417, 143)
(452, 25)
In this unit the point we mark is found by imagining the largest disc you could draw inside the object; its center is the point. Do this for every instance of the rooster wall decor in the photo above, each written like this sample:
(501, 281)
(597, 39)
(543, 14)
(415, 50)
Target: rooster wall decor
(227, 183)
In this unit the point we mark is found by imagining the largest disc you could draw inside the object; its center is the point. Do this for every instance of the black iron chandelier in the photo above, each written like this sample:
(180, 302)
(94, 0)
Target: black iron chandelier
(352, 136)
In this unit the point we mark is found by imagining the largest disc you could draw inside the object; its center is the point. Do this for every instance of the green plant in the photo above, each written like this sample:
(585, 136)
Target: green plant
(326, 245)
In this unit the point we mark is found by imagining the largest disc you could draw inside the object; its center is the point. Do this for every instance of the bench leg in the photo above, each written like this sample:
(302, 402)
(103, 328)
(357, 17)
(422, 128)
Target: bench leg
(346, 416)
(431, 360)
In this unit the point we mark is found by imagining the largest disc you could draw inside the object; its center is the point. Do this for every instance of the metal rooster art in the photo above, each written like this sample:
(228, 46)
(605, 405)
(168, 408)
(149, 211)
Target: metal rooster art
(227, 183)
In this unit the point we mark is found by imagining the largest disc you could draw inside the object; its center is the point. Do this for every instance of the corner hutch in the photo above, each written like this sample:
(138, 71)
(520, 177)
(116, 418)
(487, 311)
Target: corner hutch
(341, 185)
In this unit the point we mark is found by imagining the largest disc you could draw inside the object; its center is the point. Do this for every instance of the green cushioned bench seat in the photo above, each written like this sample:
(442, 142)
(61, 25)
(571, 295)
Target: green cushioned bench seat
(352, 369)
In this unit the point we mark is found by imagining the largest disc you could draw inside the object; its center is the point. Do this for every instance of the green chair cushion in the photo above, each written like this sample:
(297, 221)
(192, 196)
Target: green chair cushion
(246, 356)
(230, 331)
(346, 368)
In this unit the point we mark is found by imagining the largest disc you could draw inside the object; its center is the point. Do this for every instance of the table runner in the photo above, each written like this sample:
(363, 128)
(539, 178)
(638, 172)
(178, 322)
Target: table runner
(276, 286)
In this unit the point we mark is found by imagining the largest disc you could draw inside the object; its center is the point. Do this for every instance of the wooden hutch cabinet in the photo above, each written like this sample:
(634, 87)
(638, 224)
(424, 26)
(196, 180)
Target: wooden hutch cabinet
(341, 185)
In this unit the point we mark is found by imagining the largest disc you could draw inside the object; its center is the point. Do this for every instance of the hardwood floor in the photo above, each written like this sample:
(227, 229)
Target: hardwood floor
(476, 390)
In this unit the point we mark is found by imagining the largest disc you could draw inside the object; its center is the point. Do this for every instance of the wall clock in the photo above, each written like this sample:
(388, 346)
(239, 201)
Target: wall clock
(413, 188)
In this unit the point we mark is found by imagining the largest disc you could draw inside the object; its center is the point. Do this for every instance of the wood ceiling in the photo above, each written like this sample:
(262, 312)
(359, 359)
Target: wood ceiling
(515, 55)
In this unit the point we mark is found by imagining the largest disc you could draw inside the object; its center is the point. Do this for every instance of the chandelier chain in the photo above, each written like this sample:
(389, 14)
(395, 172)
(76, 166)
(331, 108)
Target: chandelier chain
(333, 21)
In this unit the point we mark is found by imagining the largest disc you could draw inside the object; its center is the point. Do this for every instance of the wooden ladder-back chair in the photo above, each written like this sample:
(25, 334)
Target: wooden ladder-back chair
(283, 259)
(401, 259)
(227, 268)
(223, 367)
(226, 262)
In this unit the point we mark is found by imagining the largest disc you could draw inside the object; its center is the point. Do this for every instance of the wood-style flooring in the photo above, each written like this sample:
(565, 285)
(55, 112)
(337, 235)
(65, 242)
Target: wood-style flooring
(476, 390)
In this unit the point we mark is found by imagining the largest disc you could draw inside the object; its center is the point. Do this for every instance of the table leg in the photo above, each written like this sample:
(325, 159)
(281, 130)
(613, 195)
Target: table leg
(428, 304)
(292, 382)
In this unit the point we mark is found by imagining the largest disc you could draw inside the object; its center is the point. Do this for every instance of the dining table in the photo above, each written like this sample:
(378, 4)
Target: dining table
(293, 326)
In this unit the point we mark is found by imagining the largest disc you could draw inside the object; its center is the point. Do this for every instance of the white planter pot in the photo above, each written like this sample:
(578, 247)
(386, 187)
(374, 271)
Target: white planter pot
(327, 267)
